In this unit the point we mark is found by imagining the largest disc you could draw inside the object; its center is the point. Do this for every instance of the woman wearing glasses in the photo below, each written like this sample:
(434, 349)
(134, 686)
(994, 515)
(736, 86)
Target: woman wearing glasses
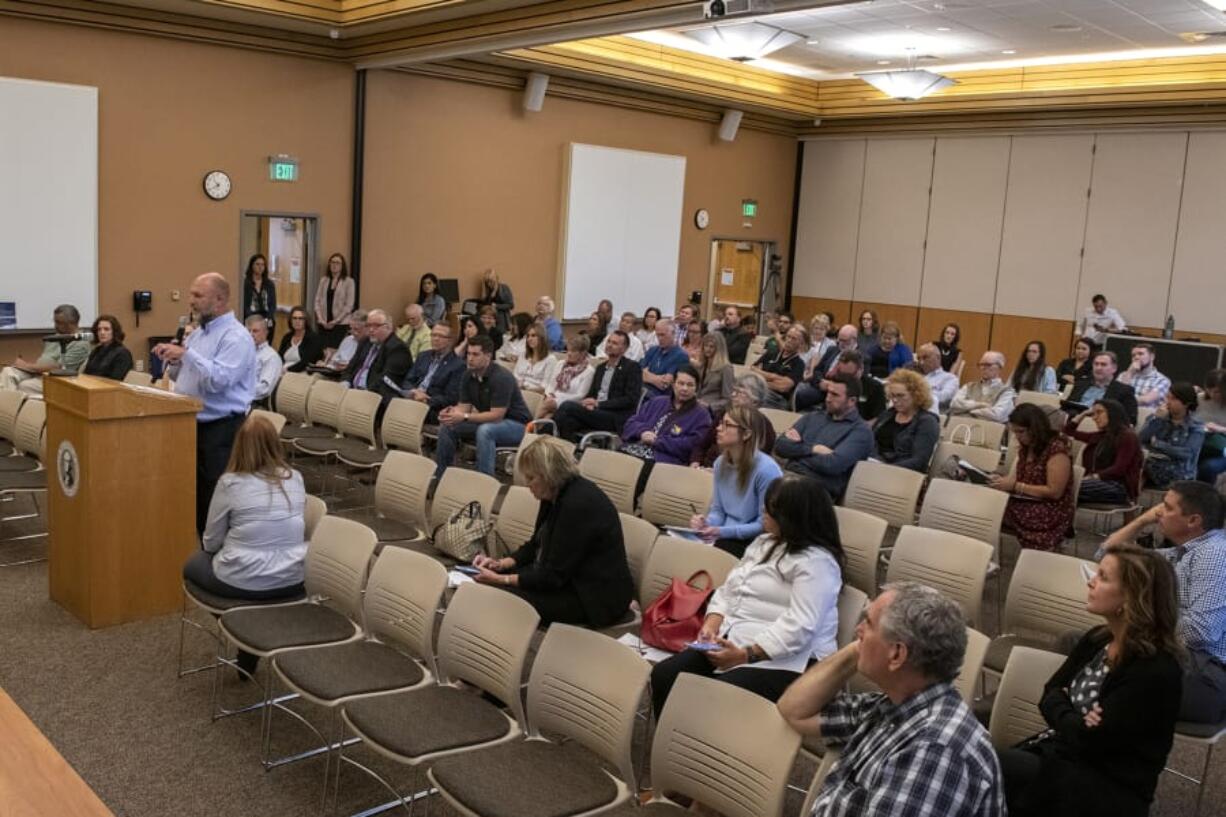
(300, 346)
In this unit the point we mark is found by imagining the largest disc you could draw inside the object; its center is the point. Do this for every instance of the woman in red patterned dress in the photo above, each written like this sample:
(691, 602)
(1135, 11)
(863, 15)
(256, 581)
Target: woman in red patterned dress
(1041, 508)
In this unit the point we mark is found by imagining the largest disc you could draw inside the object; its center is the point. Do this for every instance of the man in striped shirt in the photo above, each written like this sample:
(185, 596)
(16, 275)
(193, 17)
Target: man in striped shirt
(914, 748)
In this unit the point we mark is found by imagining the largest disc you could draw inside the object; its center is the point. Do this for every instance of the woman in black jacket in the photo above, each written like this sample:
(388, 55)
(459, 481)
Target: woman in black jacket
(109, 357)
(906, 434)
(573, 570)
(1111, 707)
(259, 292)
(301, 346)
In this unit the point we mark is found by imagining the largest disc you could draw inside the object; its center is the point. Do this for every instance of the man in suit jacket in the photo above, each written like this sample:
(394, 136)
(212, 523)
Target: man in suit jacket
(382, 364)
(435, 376)
(1102, 384)
(611, 399)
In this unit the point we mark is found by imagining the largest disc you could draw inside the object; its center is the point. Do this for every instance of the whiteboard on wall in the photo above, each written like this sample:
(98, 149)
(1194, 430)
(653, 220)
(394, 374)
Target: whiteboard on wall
(48, 199)
(621, 230)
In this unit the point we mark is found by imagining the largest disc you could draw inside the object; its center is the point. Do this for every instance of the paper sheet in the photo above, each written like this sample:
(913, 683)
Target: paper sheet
(652, 654)
(455, 578)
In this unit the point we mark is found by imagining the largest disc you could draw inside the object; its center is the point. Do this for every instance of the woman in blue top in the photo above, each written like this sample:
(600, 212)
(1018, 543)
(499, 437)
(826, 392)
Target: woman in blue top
(1172, 439)
(742, 475)
(1033, 373)
(431, 301)
(553, 327)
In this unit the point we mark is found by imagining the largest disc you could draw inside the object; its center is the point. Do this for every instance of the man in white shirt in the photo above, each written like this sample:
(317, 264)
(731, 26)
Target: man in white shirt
(626, 324)
(349, 346)
(1100, 319)
(267, 361)
(944, 385)
(989, 397)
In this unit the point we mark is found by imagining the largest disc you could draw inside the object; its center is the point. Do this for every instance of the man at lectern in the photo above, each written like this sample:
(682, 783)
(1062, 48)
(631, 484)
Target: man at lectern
(216, 365)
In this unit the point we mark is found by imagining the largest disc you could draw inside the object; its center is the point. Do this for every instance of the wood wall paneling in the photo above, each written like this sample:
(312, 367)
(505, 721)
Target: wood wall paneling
(1198, 284)
(964, 223)
(1011, 333)
(975, 328)
(893, 221)
(905, 316)
(1045, 212)
(805, 308)
(829, 219)
(1130, 229)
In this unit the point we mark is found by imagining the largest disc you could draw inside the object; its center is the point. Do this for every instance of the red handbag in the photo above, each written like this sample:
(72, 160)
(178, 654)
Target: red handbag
(676, 616)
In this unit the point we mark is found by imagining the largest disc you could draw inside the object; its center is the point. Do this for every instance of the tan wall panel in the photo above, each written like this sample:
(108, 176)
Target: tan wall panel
(964, 223)
(975, 328)
(1011, 333)
(806, 308)
(904, 316)
(1197, 290)
(170, 111)
(1130, 229)
(893, 220)
(1045, 210)
(460, 179)
(828, 222)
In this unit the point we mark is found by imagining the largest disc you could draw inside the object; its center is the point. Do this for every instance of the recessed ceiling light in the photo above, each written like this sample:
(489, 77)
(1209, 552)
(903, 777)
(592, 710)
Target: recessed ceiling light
(943, 28)
(1008, 51)
(812, 41)
(1065, 28)
(883, 62)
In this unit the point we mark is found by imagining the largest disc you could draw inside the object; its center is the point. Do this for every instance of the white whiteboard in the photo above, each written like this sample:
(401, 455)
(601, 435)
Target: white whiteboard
(621, 228)
(48, 199)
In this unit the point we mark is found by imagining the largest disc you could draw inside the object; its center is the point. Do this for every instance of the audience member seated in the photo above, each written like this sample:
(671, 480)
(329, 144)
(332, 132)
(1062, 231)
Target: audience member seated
(596, 329)
(253, 543)
(647, 333)
(498, 295)
(692, 346)
(784, 368)
(1102, 383)
(1099, 319)
(1111, 707)
(1190, 518)
(662, 360)
(778, 608)
(827, 444)
(686, 315)
(942, 384)
(383, 365)
(1172, 438)
(1149, 384)
(743, 472)
(487, 324)
(889, 352)
(1112, 457)
(748, 391)
(491, 411)
(415, 334)
(1041, 508)
(342, 356)
(259, 291)
(534, 365)
(715, 375)
(616, 387)
(110, 358)
(512, 348)
(1032, 372)
(989, 397)
(809, 393)
(1211, 410)
(334, 301)
(469, 329)
(300, 345)
(869, 327)
(267, 361)
(605, 310)
(670, 427)
(951, 355)
(1078, 367)
(573, 570)
(569, 379)
(914, 748)
(433, 304)
(778, 332)
(435, 376)
(553, 327)
(907, 433)
(736, 335)
(626, 325)
(27, 376)
(820, 341)
(872, 394)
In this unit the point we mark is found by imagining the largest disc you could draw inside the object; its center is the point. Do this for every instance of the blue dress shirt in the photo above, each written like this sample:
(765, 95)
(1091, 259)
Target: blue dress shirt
(218, 368)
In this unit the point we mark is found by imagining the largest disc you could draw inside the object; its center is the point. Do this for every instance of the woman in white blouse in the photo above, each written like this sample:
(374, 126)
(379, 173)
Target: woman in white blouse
(533, 368)
(778, 608)
(569, 378)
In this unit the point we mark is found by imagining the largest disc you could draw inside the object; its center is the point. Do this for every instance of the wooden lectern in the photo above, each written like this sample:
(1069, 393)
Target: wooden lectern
(121, 497)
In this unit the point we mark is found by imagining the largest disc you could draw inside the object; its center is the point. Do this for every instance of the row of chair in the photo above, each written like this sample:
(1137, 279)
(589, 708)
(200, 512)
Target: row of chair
(23, 445)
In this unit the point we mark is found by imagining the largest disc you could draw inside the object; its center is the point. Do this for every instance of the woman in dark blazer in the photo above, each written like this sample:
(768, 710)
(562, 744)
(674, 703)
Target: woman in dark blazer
(1111, 707)
(301, 346)
(573, 570)
(109, 357)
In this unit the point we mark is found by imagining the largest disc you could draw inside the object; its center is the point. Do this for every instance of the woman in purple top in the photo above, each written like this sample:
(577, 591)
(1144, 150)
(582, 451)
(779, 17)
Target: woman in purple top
(668, 428)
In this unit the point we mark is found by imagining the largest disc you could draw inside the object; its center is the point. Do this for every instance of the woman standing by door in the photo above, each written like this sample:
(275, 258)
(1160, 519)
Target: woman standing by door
(259, 292)
(334, 302)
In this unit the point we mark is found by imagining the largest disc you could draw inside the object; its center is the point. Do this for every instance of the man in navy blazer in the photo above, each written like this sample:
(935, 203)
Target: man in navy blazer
(435, 376)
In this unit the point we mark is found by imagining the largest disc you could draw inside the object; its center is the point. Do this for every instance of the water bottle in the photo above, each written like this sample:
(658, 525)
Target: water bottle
(1168, 330)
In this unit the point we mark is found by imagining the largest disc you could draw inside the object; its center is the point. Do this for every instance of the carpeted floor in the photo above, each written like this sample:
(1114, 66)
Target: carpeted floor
(111, 704)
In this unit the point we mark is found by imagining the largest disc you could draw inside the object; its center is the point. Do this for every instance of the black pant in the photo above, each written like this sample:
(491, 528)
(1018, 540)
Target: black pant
(574, 420)
(214, 439)
(734, 546)
(1204, 689)
(1019, 770)
(769, 683)
(555, 606)
(199, 571)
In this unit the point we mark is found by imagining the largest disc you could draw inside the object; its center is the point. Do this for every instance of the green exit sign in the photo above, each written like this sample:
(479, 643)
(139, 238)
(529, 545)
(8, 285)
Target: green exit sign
(282, 168)
(749, 208)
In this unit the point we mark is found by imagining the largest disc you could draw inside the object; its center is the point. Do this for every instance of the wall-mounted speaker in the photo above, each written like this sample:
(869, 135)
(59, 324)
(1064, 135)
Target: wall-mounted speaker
(534, 91)
(729, 124)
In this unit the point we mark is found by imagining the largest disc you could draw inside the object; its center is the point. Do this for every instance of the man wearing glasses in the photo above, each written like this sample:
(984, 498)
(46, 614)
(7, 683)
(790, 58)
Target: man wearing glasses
(435, 376)
(382, 363)
(989, 397)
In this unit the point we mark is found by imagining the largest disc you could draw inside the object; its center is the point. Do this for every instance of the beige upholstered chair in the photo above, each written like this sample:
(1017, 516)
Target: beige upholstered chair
(964, 508)
(886, 491)
(674, 558)
(277, 420)
(780, 419)
(457, 488)
(985, 459)
(291, 399)
(969, 430)
(639, 537)
(401, 490)
(852, 603)
(402, 424)
(515, 523)
(674, 493)
(861, 534)
(1015, 713)
(955, 565)
(616, 474)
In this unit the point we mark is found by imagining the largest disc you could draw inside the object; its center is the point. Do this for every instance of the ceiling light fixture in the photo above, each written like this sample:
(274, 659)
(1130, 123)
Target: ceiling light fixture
(1220, 5)
(744, 42)
(1008, 51)
(909, 84)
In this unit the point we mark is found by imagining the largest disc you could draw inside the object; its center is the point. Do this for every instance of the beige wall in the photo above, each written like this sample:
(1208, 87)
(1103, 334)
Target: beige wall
(169, 112)
(459, 179)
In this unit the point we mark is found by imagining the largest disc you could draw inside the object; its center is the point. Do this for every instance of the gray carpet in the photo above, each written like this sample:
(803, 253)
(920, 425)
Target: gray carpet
(110, 702)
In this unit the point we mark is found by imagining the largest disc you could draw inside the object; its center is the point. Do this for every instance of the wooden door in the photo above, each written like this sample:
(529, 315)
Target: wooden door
(736, 275)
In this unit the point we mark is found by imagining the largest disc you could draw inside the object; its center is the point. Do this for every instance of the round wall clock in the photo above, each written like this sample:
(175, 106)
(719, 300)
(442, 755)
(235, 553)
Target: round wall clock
(217, 184)
(701, 219)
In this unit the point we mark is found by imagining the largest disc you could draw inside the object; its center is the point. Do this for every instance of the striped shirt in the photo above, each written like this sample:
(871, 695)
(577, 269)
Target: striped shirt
(925, 756)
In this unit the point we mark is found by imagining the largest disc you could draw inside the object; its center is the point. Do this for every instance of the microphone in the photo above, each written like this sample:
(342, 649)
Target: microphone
(86, 335)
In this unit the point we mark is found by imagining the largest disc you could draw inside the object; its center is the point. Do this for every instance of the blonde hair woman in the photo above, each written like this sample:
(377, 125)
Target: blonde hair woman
(715, 375)
(573, 570)
(908, 431)
(498, 295)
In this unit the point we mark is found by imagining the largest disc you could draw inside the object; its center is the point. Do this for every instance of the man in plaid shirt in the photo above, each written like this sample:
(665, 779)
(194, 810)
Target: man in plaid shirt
(914, 749)
(1149, 384)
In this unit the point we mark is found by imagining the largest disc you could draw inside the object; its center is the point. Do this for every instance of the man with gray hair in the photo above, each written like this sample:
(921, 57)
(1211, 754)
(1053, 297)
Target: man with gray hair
(348, 347)
(267, 362)
(28, 376)
(915, 747)
(989, 397)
